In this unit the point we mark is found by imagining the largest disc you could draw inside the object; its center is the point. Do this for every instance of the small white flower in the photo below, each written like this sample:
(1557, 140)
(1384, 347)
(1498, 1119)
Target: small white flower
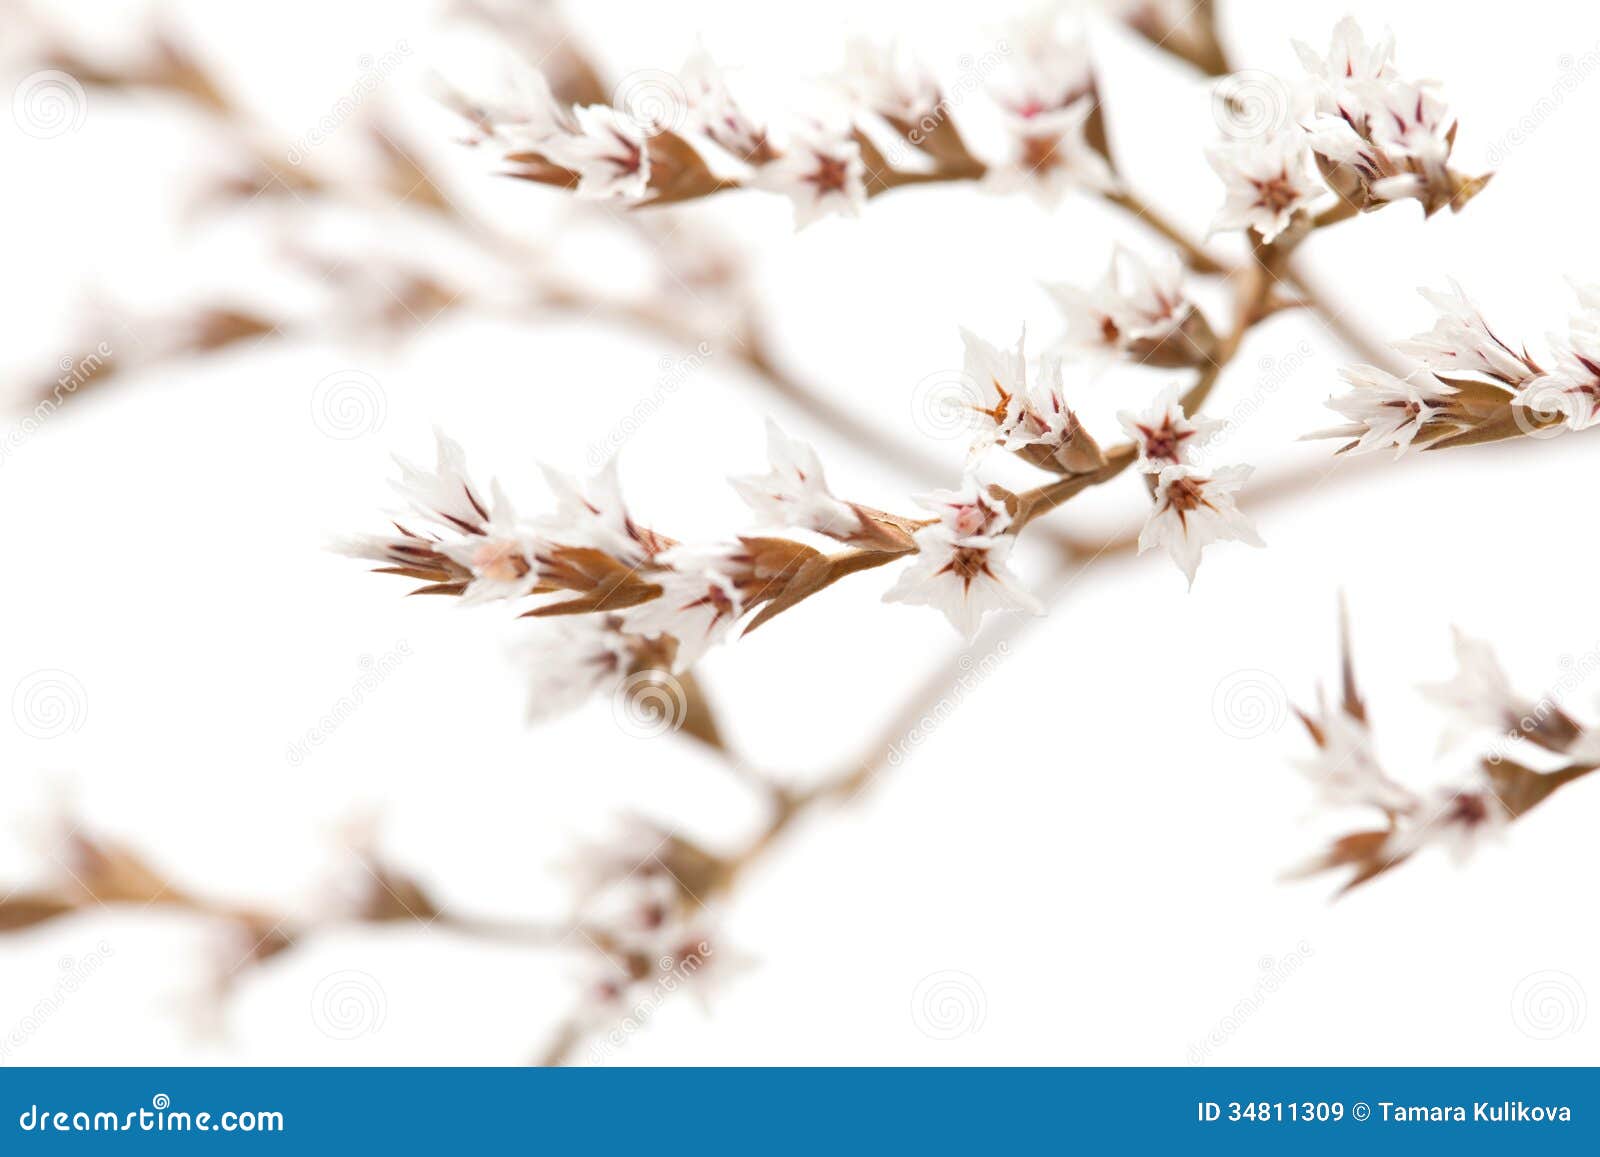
(1052, 155)
(503, 558)
(890, 81)
(1164, 434)
(794, 492)
(1047, 67)
(1480, 696)
(716, 114)
(999, 376)
(1462, 342)
(1136, 304)
(1459, 819)
(960, 568)
(1267, 182)
(516, 106)
(1345, 768)
(1045, 419)
(1574, 384)
(571, 659)
(593, 514)
(1382, 410)
(1093, 316)
(1350, 62)
(445, 494)
(609, 152)
(1194, 508)
(699, 604)
(821, 172)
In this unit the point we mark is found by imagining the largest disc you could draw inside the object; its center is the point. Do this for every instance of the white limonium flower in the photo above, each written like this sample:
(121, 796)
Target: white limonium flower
(960, 568)
(1193, 508)
(1480, 696)
(999, 378)
(821, 172)
(571, 659)
(608, 151)
(1267, 182)
(1052, 154)
(1350, 62)
(1459, 819)
(1462, 342)
(715, 114)
(1165, 435)
(1574, 384)
(1382, 410)
(593, 514)
(795, 492)
(889, 80)
(1345, 768)
(503, 558)
(1019, 413)
(699, 604)
(1134, 309)
(445, 494)
(1379, 136)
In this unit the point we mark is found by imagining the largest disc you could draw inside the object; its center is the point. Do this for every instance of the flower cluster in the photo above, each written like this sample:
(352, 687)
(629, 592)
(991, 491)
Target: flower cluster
(1138, 310)
(645, 921)
(1459, 816)
(1373, 136)
(699, 138)
(1470, 386)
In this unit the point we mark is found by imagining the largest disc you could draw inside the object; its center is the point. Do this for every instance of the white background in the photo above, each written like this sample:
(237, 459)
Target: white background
(1081, 839)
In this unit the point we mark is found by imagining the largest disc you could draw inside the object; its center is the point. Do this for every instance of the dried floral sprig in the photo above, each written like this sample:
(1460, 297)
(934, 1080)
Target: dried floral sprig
(1375, 137)
(1469, 386)
(1460, 816)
